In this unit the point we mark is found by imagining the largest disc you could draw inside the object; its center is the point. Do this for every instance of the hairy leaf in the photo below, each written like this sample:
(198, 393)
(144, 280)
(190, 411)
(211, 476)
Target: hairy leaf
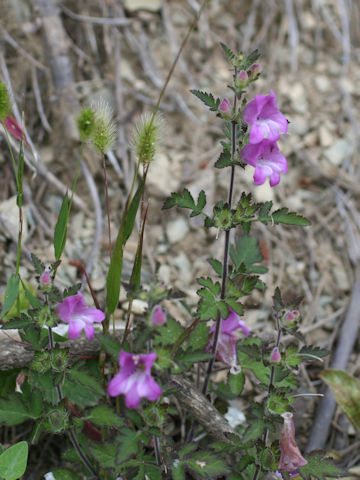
(13, 461)
(319, 467)
(208, 99)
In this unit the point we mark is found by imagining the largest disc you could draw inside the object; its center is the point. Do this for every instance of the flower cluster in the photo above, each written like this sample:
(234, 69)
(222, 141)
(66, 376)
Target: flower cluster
(266, 123)
(227, 340)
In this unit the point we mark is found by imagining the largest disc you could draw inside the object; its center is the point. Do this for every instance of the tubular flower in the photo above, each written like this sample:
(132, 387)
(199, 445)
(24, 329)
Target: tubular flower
(134, 379)
(267, 160)
(74, 311)
(264, 118)
(225, 107)
(290, 458)
(226, 346)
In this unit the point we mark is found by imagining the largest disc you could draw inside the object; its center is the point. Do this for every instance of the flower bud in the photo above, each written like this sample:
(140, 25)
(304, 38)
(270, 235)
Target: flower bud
(291, 316)
(224, 219)
(5, 102)
(45, 279)
(275, 356)
(225, 107)
(254, 71)
(158, 316)
(242, 80)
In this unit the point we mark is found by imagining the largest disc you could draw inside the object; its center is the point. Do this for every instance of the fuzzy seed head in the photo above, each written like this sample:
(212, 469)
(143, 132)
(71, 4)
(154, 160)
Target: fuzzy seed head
(104, 131)
(146, 136)
(5, 102)
(86, 123)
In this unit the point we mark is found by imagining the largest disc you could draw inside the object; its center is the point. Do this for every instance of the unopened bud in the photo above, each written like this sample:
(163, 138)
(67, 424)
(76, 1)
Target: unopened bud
(242, 80)
(254, 71)
(158, 316)
(275, 356)
(45, 279)
(291, 316)
(225, 107)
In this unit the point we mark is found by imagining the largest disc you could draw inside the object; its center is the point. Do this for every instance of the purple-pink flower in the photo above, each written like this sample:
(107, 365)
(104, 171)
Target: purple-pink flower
(158, 316)
(134, 379)
(275, 355)
(45, 278)
(226, 346)
(74, 311)
(267, 160)
(290, 457)
(264, 118)
(225, 107)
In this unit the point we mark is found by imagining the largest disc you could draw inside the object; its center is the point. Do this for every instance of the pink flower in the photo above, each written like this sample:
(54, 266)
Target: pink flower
(226, 347)
(45, 278)
(74, 311)
(158, 316)
(225, 107)
(267, 160)
(290, 458)
(134, 379)
(264, 118)
(275, 355)
(14, 128)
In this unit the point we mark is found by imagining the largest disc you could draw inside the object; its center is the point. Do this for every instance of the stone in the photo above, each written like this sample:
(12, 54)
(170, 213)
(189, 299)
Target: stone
(338, 152)
(149, 5)
(164, 176)
(177, 229)
(322, 83)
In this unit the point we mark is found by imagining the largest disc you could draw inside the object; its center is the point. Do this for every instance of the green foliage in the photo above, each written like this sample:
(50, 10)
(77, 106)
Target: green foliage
(13, 461)
(168, 333)
(245, 253)
(17, 408)
(128, 444)
(61, 227)
(82, 389)
(186, 200)
(208, 99)
(236, 382)
(103, 415)
(38, 265)
(64, 474)
(282, 216)
(319, 467)
(346, 390)
(210, 305)
(11, 294)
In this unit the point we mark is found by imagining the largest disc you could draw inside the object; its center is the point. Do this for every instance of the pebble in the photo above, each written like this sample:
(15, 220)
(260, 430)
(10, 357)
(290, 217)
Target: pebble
(338, 152)
(322, 83)
(149, 5)
(164, 176)
(177, 229)
(325, 136)
(297, 94)
(181, 262)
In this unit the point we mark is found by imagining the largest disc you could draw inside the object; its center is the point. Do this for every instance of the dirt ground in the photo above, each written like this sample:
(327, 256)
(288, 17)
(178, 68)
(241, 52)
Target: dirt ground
(57, 58)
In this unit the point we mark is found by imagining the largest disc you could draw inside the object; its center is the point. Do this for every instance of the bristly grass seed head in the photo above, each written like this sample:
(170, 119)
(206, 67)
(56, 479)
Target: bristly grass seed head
(5, 101)
(86, 123)
(146, 136)
(104, 130)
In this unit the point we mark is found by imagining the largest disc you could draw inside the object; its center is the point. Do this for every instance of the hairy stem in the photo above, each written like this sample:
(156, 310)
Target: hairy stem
(107, 202)
(71, 432)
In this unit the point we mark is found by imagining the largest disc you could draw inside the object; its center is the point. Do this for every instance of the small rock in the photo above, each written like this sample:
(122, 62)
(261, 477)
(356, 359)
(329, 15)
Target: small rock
(164, 274)
(298, 125)
(297, 94)
(149, 5)
(325, 136)
(181, 262)
(9, 219)
(164, 176)
(177, 229)
(322, 83)
(338, 152)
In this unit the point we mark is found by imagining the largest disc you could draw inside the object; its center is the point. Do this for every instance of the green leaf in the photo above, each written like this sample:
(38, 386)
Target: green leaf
(8, 381)
(346, 390)
(230, 55)
(178, 470)
(64, 474)
(104, 416)
(22, 322)
(82, 389)
(208, 99)
(132, 211)
(199, 337)
(135, 278)
(114, 274)
(217, 266)
(319, 467)
(236, 382)
(246, 251)
(186, 200)
(34, 302)
(38, 265)
(168, 333)
(207, 465)
(11, 294)
(128, 444)
(313, 353)
(13, 461)
(14, 410)
(104, 453)
(111, 345)
(61, 227)
(289, 218)
(224, 160)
